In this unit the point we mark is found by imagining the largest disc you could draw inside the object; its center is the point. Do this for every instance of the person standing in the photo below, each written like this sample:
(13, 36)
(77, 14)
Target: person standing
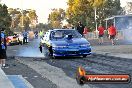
(64, 27)
(85, 32)
(112, 33)
(101, 34)
(36, 34)
(25, 37)
(41, 34)
(80, 28)
(3, 48)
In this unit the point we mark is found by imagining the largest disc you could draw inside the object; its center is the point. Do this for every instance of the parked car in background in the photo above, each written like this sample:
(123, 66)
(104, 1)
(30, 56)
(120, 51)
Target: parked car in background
(13, 40)
(66, 42)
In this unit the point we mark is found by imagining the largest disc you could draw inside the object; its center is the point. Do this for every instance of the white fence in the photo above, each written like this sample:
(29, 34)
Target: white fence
(92, 35)
(121, 34)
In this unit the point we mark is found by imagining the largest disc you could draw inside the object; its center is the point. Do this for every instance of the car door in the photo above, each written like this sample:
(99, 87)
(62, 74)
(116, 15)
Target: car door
(43, 39)
(47, 40)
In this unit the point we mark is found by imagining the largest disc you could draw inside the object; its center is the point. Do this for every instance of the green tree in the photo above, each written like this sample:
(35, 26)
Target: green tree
(80, 10)
(24, 21)
(128, 8)
(43, 27)
(32, 15)
(23, 18)
(56, 17)
(109, 9)
(84, 11)
(96, 3)
(15, 15)
(5, 19)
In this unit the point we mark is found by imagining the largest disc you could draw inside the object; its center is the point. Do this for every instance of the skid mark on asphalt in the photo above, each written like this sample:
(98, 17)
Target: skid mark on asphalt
(54, 74)
(69, 66)
(93, 66)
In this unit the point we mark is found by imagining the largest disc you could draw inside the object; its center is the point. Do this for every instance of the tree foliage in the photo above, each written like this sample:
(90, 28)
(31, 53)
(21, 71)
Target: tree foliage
(56, 17)
(23, 19)
(43, 27)
(128, 8)
(84, 11)
(5, 19)
(96, 3)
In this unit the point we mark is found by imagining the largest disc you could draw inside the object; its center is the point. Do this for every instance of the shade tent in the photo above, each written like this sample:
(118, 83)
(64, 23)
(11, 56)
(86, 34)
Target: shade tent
(119, 21)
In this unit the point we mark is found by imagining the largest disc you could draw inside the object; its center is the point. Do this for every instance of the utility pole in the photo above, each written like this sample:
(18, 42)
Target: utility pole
(22, 14)
(96, 23)
(95, 9)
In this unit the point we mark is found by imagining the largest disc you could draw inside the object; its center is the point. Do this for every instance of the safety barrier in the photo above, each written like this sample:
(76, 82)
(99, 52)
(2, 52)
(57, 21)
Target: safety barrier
(120, 34)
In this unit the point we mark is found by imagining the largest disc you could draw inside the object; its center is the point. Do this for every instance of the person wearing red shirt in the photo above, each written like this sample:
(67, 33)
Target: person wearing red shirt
(112, 33)
(101, 34)
(85, 32)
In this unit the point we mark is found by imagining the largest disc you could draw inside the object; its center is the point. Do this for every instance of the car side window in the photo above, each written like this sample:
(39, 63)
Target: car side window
(56, 35)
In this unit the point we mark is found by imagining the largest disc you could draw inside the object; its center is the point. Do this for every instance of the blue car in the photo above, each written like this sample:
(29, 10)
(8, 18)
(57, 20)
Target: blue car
(66, 42)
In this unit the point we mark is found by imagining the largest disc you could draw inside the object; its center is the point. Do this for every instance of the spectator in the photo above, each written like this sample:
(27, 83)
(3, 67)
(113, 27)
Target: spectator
(25, 37)
(85, 32)
(36, 34)
(40, 47)
(112, 33)
(41, 34)
(3, 48)
(64, 27)
(101, 34)
(80, 28)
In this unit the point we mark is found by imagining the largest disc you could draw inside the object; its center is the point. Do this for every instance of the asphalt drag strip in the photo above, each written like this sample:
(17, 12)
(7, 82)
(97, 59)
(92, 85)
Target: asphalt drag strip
(34, 78)
(63, 70)
(95, 65)
(54, 73)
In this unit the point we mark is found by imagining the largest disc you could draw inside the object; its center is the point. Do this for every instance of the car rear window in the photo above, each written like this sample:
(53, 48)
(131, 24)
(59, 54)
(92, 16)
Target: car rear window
(60, 34)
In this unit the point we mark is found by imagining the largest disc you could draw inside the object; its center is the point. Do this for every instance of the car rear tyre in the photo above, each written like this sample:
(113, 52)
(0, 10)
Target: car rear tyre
(84, 56)
(54, 57)
(51, 53)
(20, 42)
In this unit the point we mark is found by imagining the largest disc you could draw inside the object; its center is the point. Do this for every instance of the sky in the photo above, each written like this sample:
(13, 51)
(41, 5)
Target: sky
(42, 7)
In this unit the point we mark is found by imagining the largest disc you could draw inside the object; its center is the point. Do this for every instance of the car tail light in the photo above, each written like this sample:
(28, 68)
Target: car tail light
(14, 37)
(8, 39)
